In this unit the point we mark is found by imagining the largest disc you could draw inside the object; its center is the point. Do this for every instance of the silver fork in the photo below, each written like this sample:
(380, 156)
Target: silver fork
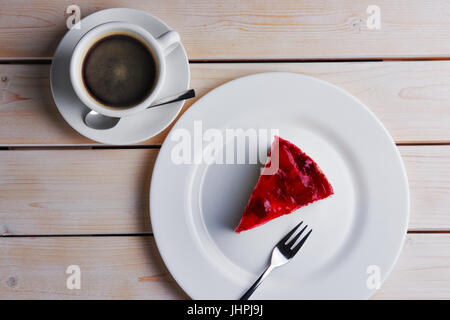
(283, 252)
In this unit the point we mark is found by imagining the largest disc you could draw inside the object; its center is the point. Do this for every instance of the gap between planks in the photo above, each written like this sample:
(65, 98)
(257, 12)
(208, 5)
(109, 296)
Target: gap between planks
(142, 234)
(150, 234)
(199, 61)
(79, 147)
(96, 147)
(48, 60)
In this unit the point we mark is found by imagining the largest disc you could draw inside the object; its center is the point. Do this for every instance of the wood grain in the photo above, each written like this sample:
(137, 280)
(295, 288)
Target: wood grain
(411, 98)
(428, 170)
(102, 191)
(111, 268)
(131, 268)
(75, 191)
(106, 191)
(288, 29)
(422, 271)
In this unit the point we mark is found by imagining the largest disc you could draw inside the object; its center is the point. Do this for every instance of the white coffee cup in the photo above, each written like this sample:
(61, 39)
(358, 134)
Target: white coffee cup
(160, 48)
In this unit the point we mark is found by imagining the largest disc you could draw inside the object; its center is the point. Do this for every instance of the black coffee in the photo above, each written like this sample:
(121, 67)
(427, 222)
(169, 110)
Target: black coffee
(119, 71)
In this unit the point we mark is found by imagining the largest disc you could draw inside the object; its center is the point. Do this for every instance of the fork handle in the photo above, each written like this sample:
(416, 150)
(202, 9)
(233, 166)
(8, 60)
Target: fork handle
(257, 283)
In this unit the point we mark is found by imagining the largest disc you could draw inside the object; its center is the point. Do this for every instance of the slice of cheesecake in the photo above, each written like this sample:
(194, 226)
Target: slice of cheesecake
(297, 182)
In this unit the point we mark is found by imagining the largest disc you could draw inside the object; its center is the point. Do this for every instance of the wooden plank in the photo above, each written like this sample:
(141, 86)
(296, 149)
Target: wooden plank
(289, 29)
(428, 169)
(106, 191)
(75, 191)
(422, 271)
(111, 268)
(131, 268)
(410, 98)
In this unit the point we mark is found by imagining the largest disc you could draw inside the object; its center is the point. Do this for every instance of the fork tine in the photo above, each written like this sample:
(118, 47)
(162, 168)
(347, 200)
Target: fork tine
(299, 245)
(292, 242)
(286, 237)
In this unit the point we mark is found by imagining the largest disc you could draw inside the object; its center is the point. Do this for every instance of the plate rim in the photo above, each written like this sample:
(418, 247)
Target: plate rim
(194, 106)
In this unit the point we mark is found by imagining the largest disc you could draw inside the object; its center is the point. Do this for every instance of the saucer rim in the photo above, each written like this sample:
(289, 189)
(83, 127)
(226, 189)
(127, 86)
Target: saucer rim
(64, 40)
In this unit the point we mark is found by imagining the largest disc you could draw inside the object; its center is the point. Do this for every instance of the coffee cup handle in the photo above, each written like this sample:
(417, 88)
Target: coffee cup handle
(169, 41)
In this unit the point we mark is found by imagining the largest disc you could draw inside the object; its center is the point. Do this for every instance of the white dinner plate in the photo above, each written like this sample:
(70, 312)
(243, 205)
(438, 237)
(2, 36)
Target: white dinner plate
(130, 129)
(358, 232)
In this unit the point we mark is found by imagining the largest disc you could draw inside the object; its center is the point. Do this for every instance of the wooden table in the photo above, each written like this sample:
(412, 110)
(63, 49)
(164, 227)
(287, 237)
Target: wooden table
(66, 200)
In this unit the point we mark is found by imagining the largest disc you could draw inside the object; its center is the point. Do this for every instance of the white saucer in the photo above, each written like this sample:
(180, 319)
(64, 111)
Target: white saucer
(358, 231)
(135, 128)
